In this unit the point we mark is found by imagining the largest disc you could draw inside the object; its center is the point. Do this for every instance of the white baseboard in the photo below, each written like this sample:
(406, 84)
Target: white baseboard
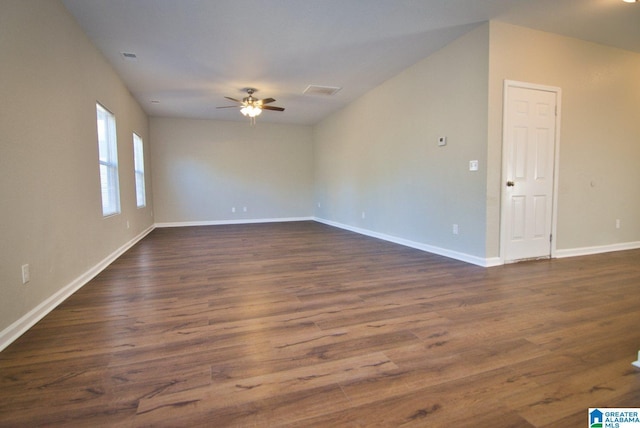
(19, 327)
(478, 261)
(586, 251)
(224, 222)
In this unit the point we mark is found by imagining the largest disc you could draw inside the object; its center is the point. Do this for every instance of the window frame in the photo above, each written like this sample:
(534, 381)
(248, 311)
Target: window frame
(138, 169)
(108, 161)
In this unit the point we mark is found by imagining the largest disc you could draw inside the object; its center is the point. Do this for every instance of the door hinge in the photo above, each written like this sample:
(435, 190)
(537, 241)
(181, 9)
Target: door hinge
(550, 237)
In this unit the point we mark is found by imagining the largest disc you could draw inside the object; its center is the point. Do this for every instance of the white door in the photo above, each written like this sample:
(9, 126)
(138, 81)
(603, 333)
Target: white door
(529, 151)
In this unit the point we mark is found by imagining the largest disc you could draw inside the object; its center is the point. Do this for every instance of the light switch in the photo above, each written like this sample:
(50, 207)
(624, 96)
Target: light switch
(473, 165)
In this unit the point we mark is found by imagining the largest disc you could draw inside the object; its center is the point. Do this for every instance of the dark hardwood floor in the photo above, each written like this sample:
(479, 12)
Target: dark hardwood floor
(301, 324)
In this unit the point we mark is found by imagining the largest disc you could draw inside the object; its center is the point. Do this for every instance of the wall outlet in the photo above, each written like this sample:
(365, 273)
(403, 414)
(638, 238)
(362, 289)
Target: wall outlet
(473, 165)
(233, 209)
(244, 209)
(26, 275)
(127, 224)
(455, 229)
(617, 223)
(363, 214)
(442, 141)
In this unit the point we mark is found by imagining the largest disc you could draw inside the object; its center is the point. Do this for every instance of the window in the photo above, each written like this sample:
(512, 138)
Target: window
(138, 166)
(108, 153)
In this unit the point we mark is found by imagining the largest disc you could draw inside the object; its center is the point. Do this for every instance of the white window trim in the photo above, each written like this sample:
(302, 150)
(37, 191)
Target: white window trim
(109, 180)
(138, 167)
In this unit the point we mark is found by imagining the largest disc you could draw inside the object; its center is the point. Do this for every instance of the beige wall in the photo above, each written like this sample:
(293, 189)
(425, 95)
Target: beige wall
(50, 79)
(599, 178)
(203, 168)
(380, 154)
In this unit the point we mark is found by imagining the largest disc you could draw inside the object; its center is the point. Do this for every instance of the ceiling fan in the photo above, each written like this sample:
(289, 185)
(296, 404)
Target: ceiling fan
(251, 106)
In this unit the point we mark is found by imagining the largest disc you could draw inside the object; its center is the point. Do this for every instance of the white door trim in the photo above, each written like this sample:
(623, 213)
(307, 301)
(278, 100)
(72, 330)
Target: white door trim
(503, 192)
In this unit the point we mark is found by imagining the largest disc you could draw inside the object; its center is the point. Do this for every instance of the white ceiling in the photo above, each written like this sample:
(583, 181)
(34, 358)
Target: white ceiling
(192, 53)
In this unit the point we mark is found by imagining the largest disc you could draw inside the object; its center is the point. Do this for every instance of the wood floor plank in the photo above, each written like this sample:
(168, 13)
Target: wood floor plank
(257, 388)
(301, 324)
(471, 401)
(596, 387)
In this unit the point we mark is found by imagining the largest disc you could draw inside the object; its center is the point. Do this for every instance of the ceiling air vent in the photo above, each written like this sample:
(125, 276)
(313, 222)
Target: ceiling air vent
(326, 91)
(129, 56)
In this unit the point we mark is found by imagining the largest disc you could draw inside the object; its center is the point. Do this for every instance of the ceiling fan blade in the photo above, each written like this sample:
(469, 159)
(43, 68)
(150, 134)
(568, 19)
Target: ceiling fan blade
(273, 108)
(266, 101)
(234, 100)
(227, 107)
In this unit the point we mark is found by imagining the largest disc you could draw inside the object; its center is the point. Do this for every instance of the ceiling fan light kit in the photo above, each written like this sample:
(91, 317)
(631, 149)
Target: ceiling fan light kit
(251, 111)
(251, 107)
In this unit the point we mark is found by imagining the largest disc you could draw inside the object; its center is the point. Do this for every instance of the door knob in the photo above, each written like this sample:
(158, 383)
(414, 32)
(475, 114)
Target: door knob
(510, 183)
